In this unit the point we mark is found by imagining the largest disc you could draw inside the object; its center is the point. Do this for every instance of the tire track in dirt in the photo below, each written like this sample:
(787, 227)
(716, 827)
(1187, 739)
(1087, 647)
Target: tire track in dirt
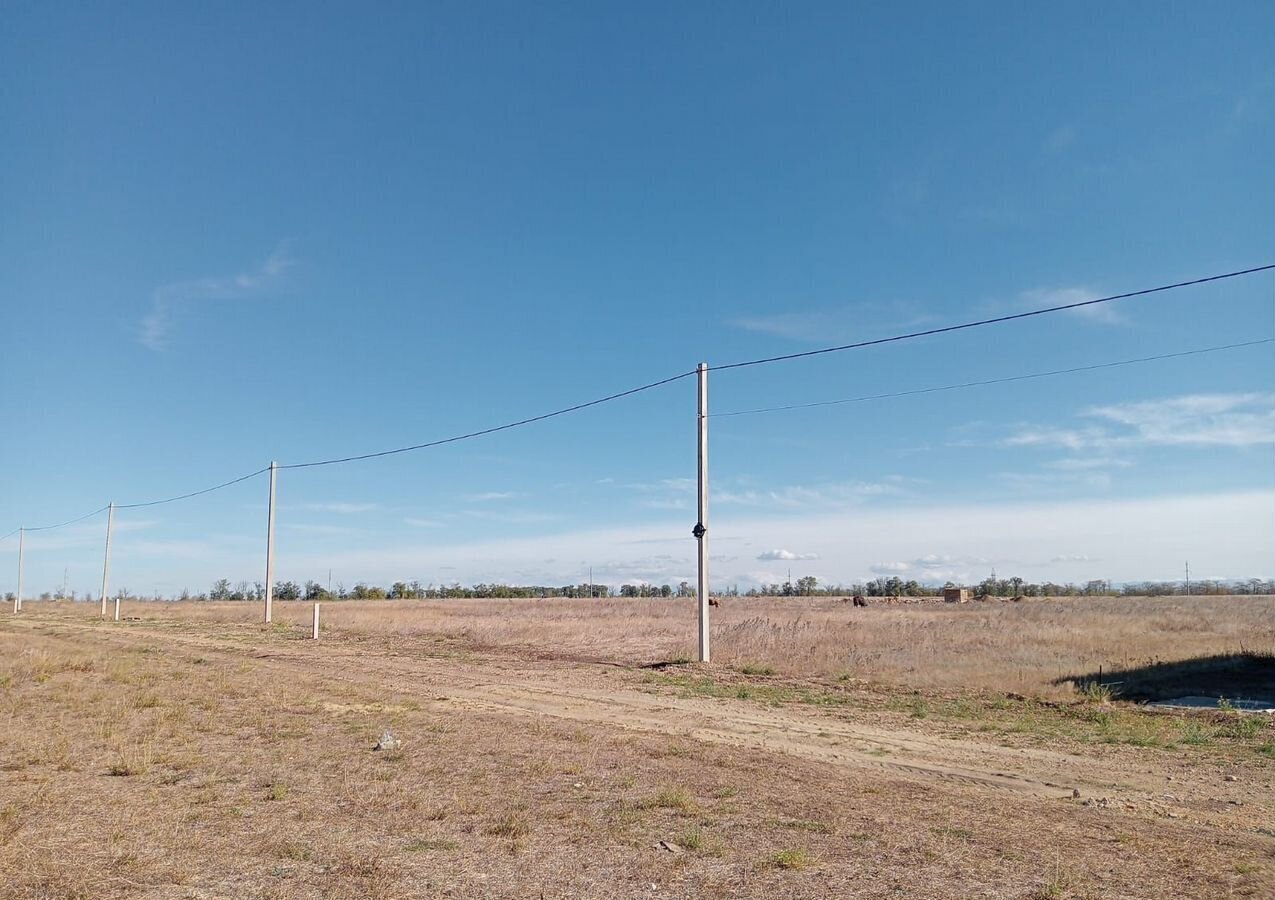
(510, 688)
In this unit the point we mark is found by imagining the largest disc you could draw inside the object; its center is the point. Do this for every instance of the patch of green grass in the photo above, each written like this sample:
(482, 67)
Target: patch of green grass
(677, 799)
(692, 839)
(1194, 733)
(793, 859)
(920, 709)
(770, 694)
(963, 834)
(276, 791)
(1244, 727)
(756, 669)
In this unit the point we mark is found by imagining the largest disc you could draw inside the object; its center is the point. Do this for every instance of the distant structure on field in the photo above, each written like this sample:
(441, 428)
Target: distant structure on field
(956, 595)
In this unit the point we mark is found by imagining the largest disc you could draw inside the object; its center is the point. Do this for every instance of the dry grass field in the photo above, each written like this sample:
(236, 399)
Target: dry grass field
(1025, 647)
(563, 749)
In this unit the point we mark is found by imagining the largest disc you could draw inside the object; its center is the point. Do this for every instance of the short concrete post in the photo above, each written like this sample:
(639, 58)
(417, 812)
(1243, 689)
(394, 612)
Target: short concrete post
(315, 631)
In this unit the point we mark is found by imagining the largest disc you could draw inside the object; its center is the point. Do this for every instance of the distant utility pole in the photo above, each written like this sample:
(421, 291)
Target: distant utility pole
(590, 582)
(1188, 578)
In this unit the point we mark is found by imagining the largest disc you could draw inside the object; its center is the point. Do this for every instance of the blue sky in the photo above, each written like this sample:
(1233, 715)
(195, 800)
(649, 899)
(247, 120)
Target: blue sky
(243, 232)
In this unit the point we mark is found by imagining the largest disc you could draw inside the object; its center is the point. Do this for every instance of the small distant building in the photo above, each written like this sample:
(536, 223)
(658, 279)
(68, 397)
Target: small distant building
(956, 595)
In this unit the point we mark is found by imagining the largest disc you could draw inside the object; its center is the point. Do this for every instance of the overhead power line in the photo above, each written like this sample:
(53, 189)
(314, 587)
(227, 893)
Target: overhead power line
(990, 381)
(492, 430)
(209, 490)
(992, 321)
(737, 365)
(63, 524)
(101, 509)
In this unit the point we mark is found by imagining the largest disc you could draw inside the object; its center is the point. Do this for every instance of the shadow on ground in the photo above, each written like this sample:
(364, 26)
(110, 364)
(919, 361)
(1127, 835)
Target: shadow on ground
(1243, 676)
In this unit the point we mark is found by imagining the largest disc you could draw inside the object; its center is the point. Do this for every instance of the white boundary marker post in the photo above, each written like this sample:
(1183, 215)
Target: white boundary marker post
(701, 526)
(315, 633)
(17, 600)
(106, 561)
(270, 548)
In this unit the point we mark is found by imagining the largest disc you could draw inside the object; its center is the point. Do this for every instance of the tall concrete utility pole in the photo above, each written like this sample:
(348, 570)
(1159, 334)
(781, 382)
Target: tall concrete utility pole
(17, 600)
(270, 547)
(701, 526)
(106, 561)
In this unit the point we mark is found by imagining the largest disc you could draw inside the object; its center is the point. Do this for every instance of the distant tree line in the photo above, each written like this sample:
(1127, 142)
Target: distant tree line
(224, 590)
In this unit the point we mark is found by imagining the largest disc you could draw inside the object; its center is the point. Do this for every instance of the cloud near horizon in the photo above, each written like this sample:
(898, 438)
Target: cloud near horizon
(786, 556)
(1064, 540)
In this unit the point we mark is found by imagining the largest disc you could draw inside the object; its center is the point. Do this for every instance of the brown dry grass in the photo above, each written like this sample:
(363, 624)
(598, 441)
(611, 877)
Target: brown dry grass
(164, 761)
(1021, 647)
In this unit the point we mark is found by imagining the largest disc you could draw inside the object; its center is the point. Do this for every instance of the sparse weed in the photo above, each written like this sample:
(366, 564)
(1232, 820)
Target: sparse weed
(1095, 691)
(795, 859)
(677, 799)
(813, 826)
(511, 825)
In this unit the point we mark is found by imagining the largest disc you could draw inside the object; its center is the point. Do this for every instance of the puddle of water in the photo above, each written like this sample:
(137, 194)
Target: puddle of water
(1262, 706)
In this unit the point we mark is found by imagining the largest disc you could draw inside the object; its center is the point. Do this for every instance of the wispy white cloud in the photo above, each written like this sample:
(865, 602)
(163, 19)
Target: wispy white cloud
(416, 522)
(340, 507)
(785, 556)
(1103, 313)
(491, 496)
(1056, 480)
(170, 301)
(1233, 420)
(847, 323)
(806, 497)
(1220, 420)
(1087, 463)
(511, 517)
(319, 530)
(935, 567)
